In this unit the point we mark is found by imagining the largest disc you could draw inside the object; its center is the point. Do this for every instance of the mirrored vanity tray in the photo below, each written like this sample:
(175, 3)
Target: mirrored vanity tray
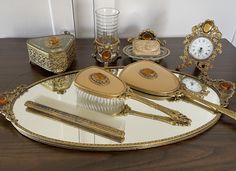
(140, 133)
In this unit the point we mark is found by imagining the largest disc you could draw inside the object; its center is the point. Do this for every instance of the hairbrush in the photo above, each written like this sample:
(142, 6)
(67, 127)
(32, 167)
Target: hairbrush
(101, 91)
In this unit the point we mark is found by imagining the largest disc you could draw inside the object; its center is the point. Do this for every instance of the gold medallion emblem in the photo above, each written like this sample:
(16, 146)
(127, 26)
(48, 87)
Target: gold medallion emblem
(99, 79)
(148, 73)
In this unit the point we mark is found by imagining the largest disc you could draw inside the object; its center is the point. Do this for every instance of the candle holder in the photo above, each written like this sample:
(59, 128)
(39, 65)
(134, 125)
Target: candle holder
(107, 43)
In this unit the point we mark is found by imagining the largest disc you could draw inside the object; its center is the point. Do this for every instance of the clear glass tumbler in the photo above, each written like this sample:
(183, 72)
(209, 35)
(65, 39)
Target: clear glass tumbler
(106, 34)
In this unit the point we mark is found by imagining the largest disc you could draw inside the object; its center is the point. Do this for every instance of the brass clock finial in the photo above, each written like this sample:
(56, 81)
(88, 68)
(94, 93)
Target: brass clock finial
(207, 26)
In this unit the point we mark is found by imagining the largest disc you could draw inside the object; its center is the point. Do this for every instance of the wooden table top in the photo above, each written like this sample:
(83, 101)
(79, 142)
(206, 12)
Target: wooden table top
(215, 149)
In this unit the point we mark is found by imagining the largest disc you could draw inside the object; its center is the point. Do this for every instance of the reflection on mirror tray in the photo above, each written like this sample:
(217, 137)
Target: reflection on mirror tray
(74, 120)
(139, 132)
(59, 84)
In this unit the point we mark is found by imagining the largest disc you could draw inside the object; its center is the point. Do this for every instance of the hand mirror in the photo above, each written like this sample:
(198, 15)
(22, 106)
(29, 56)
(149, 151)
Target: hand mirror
(151, 78)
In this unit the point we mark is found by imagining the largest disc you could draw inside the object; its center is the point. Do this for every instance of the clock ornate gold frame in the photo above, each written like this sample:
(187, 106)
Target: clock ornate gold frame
(209, 30)
(7, 100)
(202, 93)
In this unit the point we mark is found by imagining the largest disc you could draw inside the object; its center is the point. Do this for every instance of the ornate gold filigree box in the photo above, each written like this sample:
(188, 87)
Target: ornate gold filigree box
(53, 53)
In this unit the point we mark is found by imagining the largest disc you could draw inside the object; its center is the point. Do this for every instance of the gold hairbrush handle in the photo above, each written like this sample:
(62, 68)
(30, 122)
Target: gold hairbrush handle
(165, 119)
(175, 115)
(209, 105)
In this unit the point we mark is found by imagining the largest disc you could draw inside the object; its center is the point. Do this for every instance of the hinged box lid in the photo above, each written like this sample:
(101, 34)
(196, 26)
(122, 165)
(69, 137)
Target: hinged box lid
(52, 44)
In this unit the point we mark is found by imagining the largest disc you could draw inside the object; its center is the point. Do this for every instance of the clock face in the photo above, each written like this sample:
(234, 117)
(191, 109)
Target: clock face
(192, 84)
(201, 48)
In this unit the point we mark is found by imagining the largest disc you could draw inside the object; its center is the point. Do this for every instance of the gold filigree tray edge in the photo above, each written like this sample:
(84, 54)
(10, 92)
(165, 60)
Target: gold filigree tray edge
(101, 147)
(116, 147)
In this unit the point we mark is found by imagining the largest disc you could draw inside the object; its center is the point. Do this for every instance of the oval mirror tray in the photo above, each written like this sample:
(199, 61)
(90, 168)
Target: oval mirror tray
(140, 133)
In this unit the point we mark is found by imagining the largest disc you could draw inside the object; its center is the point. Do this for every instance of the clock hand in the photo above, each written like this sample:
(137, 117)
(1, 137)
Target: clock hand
(200, 50)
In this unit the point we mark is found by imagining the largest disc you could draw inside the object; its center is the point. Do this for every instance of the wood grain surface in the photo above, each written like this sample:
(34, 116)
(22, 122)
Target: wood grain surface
(213, 150)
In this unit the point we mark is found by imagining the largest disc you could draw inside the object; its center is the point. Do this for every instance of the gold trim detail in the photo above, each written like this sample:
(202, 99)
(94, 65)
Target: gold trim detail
(101, 51)
(225, 88)
(147, 34)
(116, 147)
(99, 79)
(202, 93)
(207, 26)
(174, 116)
(9, 99)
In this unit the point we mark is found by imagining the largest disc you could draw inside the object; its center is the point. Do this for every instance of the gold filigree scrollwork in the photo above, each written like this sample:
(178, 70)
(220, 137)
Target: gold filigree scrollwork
(106, 53)
(226, 89)
(7, 100)
(54, 62)
(211, 32)
(147, 34)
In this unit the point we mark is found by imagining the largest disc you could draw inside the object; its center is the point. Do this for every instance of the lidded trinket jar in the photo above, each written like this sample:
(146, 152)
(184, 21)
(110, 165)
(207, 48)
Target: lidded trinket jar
(53, 53)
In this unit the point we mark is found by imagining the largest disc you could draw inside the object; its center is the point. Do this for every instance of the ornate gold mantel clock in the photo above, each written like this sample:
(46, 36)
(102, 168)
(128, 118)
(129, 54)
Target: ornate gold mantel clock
(201, 48)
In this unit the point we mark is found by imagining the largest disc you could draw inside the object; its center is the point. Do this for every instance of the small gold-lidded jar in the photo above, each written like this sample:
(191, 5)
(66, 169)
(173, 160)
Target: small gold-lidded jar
(53, 53)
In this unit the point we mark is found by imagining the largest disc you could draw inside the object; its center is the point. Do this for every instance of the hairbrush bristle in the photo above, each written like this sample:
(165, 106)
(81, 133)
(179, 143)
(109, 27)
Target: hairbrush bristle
(104, 105)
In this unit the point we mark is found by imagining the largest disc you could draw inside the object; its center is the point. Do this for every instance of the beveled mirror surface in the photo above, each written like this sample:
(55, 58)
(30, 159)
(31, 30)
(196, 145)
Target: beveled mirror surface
(140, 133)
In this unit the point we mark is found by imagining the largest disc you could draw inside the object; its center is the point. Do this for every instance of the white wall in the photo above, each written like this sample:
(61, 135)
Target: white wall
(176, 17)
(24, 18)
(27, 18)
